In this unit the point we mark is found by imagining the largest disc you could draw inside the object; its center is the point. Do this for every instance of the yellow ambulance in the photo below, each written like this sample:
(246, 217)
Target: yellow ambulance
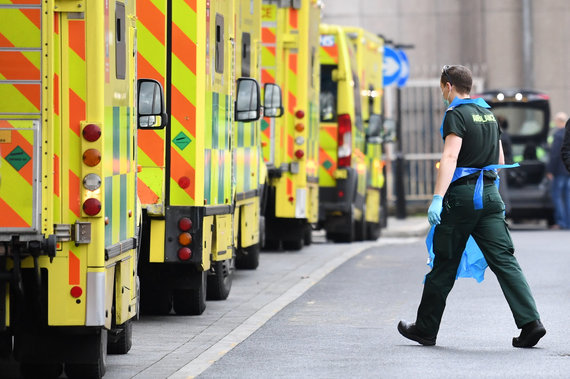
(69, 218)
(192, 181)
(350, 170)
(290, 58)
(369, 50)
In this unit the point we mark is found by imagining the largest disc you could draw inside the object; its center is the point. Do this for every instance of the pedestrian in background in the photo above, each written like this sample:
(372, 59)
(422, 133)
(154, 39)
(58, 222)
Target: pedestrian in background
(471, 151)
(565, 151)
(559, 176)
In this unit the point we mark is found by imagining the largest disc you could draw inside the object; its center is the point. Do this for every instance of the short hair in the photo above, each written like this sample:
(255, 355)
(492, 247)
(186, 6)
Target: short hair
(561, 116)
(458, 76)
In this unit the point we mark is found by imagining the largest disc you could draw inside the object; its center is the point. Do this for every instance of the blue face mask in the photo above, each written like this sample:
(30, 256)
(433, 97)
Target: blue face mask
(445, 101)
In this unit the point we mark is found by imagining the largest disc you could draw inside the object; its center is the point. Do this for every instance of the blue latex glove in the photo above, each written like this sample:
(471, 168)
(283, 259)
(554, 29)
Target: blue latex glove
(434, 210)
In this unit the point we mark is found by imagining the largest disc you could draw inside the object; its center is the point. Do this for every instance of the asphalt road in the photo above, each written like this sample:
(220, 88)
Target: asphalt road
(330, 311)
(345, 326)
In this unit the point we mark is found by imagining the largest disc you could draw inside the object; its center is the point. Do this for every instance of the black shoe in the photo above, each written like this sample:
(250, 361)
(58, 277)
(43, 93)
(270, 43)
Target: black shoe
(410, 331)
(531, 333)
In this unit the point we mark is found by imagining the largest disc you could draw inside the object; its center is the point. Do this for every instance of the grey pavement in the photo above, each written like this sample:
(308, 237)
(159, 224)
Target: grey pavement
(411, 226)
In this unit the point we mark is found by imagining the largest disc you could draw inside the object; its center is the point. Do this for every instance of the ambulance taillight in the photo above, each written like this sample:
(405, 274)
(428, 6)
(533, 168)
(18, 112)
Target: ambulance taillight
(91, 132)
(185, 224)
(184, 253)
(344, 140)
(184, 239)
(92, 206)
(92, 181)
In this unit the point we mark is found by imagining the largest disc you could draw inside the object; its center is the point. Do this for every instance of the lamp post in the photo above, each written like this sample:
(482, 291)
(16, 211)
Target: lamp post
(399, 182)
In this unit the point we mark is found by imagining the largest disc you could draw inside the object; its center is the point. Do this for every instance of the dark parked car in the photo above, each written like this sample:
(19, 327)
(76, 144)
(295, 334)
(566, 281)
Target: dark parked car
(527, 115)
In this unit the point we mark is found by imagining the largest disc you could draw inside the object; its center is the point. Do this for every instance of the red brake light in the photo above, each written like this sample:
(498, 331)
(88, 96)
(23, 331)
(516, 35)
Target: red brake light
(92, 206)
(91, 132)
(185, 224)
(299, 154)
(299, 114)
(344, 140)
(184, 253)
(76, 291)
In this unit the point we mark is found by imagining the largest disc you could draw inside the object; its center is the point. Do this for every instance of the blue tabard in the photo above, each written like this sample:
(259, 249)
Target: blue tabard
(472, 264)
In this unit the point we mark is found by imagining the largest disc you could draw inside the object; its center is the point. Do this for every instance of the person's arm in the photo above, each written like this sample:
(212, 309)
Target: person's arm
(448, 163)
(565, 150)
(501, 153)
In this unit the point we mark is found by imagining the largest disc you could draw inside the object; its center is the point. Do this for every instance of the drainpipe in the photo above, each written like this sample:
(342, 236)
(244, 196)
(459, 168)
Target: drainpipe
(528, 63)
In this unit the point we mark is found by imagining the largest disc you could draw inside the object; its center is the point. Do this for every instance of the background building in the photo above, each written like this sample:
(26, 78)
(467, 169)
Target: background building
(506, 43)
(494, 38)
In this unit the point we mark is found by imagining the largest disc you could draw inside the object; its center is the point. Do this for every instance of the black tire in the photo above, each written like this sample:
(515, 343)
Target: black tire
(220, 281)
(373, 231)
(360, 227)
(272, 245)
(97, 368)
(191, 301)
(248, 258)
(122, 340)
(294, 245)
(40, 370)
(155, 302)
(308, 235)
(350, 234)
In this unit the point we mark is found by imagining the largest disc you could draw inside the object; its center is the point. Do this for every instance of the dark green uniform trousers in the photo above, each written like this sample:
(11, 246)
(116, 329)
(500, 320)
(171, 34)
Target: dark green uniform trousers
(459, 219)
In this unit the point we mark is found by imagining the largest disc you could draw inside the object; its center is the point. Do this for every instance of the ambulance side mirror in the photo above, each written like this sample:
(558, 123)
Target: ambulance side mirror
(248, 103)
(389, 126)
(374, 128)
(151, 109)
(273, 101)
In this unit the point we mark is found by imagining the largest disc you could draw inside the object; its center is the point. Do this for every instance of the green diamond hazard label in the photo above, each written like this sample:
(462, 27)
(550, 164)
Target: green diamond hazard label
(18, 158)
(181, 140)
(327, 164)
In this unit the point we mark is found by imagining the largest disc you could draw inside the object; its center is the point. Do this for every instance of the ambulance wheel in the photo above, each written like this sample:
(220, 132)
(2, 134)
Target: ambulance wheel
(271, 245)
(191, 301)
(40, 370)
(373, 231)
(97, 368)
(360, 227)
(308, 235)
(155, 302)
(122, 339)
(248, 258)
(294, 245)
(349, 234)
(220, 281)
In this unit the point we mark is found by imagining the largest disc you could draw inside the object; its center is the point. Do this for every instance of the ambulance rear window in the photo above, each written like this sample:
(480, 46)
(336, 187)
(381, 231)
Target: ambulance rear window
(120, 43)
(328, 95)
(219, 44)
